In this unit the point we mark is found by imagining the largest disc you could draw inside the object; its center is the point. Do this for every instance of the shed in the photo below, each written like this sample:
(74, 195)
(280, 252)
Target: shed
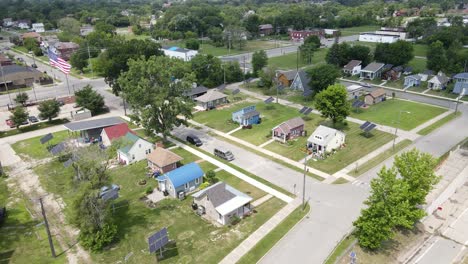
(162, 160)
(375, 96)
(290, 129)
(184, 179)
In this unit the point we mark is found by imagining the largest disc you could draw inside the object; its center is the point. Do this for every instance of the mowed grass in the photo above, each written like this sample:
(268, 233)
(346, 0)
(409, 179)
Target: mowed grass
(289, 61)
(239, 184)
(357, 146)
(356, 30)
(439, 123)
(418, 64)
(386, 113)
(208, 48)
(22, 238)
(272, 115)
(33, 148)
(221, 118)
(420, 50)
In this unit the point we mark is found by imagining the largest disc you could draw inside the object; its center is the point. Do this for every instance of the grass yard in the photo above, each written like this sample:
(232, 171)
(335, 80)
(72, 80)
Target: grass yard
(396, 84)
(438, 124)
(34, 149)
(386, 113)
(420, 50)
(418, 64)
(362, 168)
(443, 93)
(269, 241)
(18, 90)
(419, 89)
(340, 181)
(239, 184)
(28, 128)
(289, 61)
(340, 249)
(22, 238)
(220, 119)
(272, 115)
(356, 30)
(357, 146)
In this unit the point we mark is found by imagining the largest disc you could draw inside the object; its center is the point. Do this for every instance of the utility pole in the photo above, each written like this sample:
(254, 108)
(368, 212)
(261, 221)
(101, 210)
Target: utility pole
(244, 67)
(34, 91)
(304, 180)
(462, 93)
(396, 127)
(51, 243)
(89, 59)
(34, 58)
(297, 59)
(224, 72)
(5, 83)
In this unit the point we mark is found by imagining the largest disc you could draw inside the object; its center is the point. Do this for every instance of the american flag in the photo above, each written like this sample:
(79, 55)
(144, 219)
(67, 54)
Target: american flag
(57, 62)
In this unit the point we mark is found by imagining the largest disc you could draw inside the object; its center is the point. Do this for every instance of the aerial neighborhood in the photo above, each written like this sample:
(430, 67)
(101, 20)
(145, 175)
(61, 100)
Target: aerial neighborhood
(234, 132)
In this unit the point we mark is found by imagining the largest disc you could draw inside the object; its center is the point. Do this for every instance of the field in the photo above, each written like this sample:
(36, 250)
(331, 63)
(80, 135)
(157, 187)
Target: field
(33, 148)
(220, 119)
(289, 61)
(386, 113)
(418, 64)
(439, 123)
(356, 30)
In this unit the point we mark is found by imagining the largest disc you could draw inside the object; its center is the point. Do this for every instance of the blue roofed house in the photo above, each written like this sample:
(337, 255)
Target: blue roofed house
(301, 81)
(461, 83)
(135, 149)
(412, 80)
(181, 180)
(246, 116)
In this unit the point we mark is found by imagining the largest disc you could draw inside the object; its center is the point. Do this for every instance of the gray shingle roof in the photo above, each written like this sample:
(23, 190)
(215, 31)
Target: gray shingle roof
(353, 63)
(373, 67)
(459, 86)
(211, 95)
(197, 91)
(217, 194)
(289, 74)
(250, 114)
(304, 79)
(92, 124)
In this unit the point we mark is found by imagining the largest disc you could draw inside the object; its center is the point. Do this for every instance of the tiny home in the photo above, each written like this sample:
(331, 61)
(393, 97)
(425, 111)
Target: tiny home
(162, 160)
(246, 116)
(372, 71)
(135, 149)
(288, 130)
(114, 132)
(375, 97)
(177, 183)
(352, 68)
(211, 99)
(412, 80)
(325, 139)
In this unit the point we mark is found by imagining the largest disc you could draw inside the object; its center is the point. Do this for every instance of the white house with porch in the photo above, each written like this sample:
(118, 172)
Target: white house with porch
(325, 139)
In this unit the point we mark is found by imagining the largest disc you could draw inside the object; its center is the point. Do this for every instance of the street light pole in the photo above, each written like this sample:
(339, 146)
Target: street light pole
(304, 180)
(396, 127)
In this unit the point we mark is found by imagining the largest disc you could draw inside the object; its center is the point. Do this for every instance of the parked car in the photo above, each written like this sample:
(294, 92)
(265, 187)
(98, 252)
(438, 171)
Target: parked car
(10, 123)
(34, 65)
(194, 140)
(223, 153)
(26, 122)
(33, 119)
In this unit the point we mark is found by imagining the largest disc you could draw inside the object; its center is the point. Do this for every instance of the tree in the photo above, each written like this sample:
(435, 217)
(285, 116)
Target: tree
(30, 43)
(267, 77)
(167, 81)
(192, 44)
(207, 69)
(69, 25)
(79, 59)
(21, 98)
(235, 36)
(321, 77)
(259, 60)
(338, 54)
(252, 23)
(216, 36)
(20, 115)
(436, 58)
(308, 48)
(90, 99)
(333, 103)
(398, 53)
(233, 72)
(361, 53)
(313, 41)
(211, 176)
(49, 109)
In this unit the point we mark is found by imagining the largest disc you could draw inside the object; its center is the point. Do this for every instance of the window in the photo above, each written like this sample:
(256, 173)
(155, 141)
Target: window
(197, 180)
(133, 156)
(187, 185)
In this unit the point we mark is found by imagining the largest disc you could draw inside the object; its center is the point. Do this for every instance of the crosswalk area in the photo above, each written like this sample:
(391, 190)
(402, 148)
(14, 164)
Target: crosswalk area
(361, 184)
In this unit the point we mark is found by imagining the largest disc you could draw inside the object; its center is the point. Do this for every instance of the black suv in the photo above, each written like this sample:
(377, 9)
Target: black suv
(194, 140)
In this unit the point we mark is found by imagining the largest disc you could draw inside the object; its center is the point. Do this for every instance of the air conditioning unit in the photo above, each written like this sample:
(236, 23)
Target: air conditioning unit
(181, 195)
(200, 210)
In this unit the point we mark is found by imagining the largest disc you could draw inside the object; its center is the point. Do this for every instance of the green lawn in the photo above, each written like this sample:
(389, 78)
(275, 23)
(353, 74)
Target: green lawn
(272, 115)
(239, 184)
(289, 61)
(340, 249)
(14, 91)
(340, 181)
(419, 89)
(419, 65)
(420, 50)
(443, 93)
(379, 158)
(386, 113)
(438, 124)
(220, 119)
(357, 146)
(34, 149)
(356, 30)
(28, 128)
(396, 84)
(266, 243)
(22, 238)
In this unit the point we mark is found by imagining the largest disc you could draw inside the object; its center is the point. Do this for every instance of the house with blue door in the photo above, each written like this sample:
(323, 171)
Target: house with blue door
(246, 116)
(412, 80)
(177, 183)
(461, 83)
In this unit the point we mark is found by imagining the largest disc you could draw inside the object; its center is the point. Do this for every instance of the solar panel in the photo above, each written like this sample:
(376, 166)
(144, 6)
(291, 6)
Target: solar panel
(221, 87)
(307, 93)
(158, 240)
(236, 91)
(303, 109)
(361, 103)
(369, 128)
(58, 148)
(308, 111)
(365, 125)
(280, 87)
(269, 100)
(46, 138)
(110, 195)
(67, 163)
(249, 80)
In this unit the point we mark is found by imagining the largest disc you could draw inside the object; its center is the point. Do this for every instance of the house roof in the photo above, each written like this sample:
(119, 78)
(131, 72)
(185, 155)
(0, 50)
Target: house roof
(353, 63)
(397, 68)
(210, 95)
(131, 139)
(196, 90)
(462, 75)
(408, 69)
(93, 124)
(354, 87)
(459, 86)
(288, 74)
(4, 58)
(163, 157)
(414, 76)
(183, 175)
(66, 45)
(373, 67)
(428, 72)
(224, 197)
(265, 26)
(250, 114)
(117, 131)
(327, 134)
(31, 35)
(387, 66)
(441, 78)
(290, 124)
(304, 79)
(377, 93)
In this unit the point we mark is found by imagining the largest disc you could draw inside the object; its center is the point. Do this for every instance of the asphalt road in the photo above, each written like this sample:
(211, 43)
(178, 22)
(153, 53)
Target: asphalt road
(442, 251)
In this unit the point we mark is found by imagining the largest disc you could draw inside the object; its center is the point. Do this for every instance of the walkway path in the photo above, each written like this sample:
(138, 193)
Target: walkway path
(234, 130)
(432, 121)
(266, 143)
(261, 200)
(260, 233)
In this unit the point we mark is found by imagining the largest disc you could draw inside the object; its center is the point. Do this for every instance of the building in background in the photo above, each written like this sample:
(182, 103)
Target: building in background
(179, 53)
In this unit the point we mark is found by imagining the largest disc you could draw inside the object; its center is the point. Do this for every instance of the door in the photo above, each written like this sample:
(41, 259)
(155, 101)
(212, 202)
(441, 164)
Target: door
(162, 186)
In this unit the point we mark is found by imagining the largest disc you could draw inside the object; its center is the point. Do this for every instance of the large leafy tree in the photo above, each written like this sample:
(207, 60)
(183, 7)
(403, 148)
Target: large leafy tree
(398, 53)
(259, 60)
(21, 98)
(436, 58)
(30, 43)
(20, 115)
(333, 103)
(79, 59)
(155, 89)
(322, 76)
(233, 72)
(359, 52)
(90, 99)
(207, 69)
(49, 109)
(338, 54)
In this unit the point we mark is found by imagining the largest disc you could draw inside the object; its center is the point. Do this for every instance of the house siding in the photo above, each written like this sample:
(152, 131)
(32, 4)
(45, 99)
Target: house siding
(105, 139)
(210, 211)
(138, 151)
(164, 169)
(191, 187)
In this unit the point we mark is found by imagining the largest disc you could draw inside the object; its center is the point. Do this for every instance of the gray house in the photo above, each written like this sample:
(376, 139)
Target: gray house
(438, 82)
(372, 71)
(301, 81)
(221, 203)
(211, 99)
(461, 83)
(412, 80)
(181, 180)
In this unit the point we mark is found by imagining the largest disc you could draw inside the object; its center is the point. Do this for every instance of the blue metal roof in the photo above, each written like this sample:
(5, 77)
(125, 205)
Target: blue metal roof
(173, 48)
(183, 175)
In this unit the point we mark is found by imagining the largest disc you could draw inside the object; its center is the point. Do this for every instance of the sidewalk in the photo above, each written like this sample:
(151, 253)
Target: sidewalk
(432, 121)
(246, 245)
(264, 151)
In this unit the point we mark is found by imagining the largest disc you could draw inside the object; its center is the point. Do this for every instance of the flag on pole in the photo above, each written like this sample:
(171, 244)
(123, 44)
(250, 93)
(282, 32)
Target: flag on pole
(58, 62)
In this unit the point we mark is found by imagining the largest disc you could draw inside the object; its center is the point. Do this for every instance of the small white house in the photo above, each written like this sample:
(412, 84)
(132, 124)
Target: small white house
(438, 82)
(38, 27)
(378, 38)
(179, 53)
(352, 68)
(354, 91)
(325, 139)
(136, 149)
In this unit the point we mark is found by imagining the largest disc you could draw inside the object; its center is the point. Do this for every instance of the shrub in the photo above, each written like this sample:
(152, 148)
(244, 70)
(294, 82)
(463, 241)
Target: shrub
(270, 107)
(307, 118)
(96, 241)
(149, 190)
(211, 176)
(235, 220)
(204, 185)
